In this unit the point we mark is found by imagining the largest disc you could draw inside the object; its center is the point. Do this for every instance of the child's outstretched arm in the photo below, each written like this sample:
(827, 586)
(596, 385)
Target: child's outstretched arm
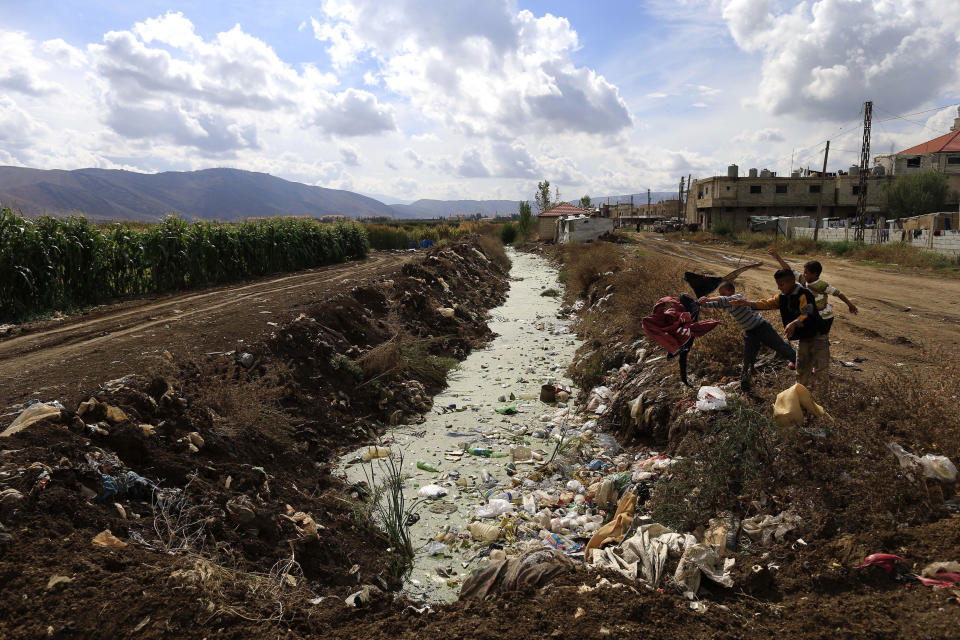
(776, 256)
(852, 307)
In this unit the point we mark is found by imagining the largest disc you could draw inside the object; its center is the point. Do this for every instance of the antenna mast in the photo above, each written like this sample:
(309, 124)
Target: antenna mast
(864, 167)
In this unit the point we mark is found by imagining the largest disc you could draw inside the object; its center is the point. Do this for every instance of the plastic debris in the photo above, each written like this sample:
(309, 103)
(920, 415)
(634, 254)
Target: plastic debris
(373, 452)
(790, 405)
(935, 467)
(106, 539)
(711, 399)
(31, 415)
(432, 492)
(885, 561)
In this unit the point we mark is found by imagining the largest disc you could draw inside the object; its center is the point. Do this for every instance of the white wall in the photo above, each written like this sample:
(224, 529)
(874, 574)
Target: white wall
(947, 243)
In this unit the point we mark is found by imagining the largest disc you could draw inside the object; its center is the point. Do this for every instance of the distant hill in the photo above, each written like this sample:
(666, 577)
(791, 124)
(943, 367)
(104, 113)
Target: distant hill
(222, 194)
(446, 208)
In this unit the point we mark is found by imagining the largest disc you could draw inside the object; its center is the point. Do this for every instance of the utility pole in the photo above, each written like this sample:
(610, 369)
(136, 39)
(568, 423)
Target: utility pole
(648, 198)
(823, 175)
(864, 165)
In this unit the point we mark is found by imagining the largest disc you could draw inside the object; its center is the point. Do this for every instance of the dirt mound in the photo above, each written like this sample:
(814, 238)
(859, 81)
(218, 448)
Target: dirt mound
(214, 474)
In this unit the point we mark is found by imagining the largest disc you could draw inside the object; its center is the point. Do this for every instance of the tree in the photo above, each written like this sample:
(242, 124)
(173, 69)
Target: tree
(915, 194)
(525, 222)
(542, 197)
(556, 195)
(585, 202)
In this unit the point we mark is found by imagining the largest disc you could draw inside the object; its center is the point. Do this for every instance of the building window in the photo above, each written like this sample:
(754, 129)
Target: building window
(781, 188)
(856, 189)
(728, 187)
(913, 162)
(754, 188)
(751, 209)
(811, 208)
(814, 188)
(953, 160)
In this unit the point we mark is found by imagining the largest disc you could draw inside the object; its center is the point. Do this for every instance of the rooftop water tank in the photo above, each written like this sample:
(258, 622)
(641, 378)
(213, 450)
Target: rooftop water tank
(854, 170)
(795, 174)
(765, 173)
(733, 171)
(753, 173)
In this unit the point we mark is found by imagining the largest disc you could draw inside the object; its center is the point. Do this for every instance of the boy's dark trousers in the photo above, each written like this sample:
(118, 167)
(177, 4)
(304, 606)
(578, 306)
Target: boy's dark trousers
(762, 334)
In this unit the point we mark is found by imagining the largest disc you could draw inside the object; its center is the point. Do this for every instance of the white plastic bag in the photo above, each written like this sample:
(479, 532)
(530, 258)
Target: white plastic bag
(432, 491)
(936, 467)
(711, 399)
(496, 507)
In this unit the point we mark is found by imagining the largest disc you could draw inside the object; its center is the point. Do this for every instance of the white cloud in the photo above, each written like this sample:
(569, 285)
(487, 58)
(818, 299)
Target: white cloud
(20, 69)
(471, 165)
(217, 94)
(824, 59)
(760, 136)
(354, 113)
(64, 53)
(350, 156)
(657, 95)
(481, 68)
(413, 157)
(17, 128)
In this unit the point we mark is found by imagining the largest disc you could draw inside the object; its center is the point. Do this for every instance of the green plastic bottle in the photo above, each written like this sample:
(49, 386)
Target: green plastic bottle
(424, 466)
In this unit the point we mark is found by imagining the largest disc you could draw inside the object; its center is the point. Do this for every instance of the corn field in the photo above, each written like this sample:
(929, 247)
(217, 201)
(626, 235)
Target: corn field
(51, 263)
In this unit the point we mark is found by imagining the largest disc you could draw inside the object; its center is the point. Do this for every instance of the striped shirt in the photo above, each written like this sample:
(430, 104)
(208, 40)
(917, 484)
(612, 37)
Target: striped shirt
(747, 317)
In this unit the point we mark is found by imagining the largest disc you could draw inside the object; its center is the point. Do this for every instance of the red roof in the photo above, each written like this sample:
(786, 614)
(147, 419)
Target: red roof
(564, 209)
(946, 142)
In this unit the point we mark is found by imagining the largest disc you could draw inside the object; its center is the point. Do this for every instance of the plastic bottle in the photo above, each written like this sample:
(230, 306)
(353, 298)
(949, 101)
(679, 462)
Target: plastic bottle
(375, 452)
(424, 466)
(479, 451)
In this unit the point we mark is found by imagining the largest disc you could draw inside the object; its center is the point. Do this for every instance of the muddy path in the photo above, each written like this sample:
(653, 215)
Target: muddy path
(901, 314)
(61, 358)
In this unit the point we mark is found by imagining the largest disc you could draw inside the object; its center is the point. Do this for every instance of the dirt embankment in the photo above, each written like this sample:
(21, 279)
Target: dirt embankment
(66, 356)
(213, 473)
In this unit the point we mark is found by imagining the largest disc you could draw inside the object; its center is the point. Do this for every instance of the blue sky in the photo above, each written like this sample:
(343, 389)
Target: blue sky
(456, 99)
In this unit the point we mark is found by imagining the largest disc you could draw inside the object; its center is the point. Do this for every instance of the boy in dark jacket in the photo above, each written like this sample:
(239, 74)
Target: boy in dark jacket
(801, 321)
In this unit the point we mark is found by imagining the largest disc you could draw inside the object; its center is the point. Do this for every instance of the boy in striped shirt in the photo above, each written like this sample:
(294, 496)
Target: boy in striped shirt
(756, 331)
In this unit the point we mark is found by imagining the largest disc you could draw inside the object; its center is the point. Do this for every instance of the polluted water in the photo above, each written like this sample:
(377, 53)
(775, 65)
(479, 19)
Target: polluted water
(489, 428)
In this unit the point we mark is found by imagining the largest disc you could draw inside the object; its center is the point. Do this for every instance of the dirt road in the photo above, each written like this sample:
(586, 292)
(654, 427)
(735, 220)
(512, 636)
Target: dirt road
(56, 359)
(904, 318)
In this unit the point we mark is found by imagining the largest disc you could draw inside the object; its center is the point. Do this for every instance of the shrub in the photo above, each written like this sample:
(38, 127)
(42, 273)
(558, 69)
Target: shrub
(723, 229)
(508, 233)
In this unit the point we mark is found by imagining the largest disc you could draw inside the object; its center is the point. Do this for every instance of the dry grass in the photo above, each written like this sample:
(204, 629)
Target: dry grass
(413, 356)
(492, 247)
(250, 404)
(585, 264)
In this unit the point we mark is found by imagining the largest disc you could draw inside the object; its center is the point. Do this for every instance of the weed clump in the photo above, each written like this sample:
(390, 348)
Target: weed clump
(344, 364)
(723, 473)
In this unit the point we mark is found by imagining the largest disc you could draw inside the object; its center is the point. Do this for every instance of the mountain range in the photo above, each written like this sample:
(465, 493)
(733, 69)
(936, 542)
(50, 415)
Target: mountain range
(216, 194)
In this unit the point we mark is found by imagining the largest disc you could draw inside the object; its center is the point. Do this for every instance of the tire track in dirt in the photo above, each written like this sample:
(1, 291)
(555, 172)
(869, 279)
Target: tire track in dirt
(70, 357)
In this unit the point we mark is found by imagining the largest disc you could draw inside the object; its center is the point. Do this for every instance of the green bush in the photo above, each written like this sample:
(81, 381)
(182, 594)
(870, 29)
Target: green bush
(723, 229)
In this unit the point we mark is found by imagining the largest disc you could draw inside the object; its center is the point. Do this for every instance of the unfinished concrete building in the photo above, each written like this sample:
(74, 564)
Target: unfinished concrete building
(733, 198)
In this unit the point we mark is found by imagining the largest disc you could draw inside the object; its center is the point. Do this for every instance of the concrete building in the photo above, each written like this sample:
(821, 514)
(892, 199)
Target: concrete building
(940, 154)
(627, 214)
(547, 221)
(734, 199)
(578, 229)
